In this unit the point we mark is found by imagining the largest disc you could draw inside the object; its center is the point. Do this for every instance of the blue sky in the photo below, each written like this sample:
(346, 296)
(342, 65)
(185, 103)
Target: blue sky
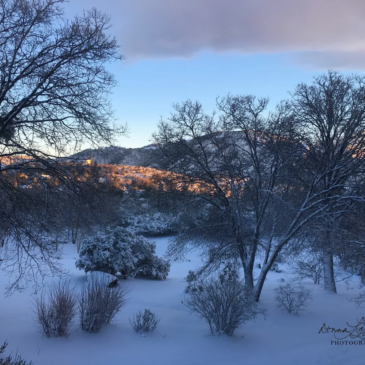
(200, 49)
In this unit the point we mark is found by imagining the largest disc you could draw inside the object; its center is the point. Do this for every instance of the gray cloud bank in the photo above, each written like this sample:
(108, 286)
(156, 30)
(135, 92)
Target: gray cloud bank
(314, 32)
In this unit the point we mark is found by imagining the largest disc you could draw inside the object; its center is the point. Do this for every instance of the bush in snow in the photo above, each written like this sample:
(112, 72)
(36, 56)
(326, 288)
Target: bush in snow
(103, 253)
(154, 223)
(311, 269)
(228, 273)
(9, 360)
(292, 298)
(223, 304)
(275, 267)
(99, 304)
(146, 263)
(122, 251)
(192, 280)
(56, 310)
(144, 322)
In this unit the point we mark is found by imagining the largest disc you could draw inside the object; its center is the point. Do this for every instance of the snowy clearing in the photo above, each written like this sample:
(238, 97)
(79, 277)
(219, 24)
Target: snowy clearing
(182, 338)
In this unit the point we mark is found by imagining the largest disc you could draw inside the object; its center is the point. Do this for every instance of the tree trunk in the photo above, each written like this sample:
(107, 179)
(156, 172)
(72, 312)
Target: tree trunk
(260, 281)
(269, 262)
(362, 274)
(328, 272)
(249, 276)
(247, 264)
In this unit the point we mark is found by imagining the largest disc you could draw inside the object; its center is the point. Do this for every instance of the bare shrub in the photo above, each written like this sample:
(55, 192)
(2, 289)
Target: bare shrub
(99, 304)
(223, 304)
(359, 300)
(307, 270)
(9, 360)
(310, 268)
(144, 322)
(56, 310)
(292, 298)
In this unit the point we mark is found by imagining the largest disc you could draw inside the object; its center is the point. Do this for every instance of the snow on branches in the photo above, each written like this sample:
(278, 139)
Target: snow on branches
(120, 250)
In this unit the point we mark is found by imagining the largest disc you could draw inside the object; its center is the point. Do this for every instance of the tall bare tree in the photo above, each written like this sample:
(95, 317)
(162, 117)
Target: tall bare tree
(235, 171)
(54, 91)
(330, 114)
(259, 179)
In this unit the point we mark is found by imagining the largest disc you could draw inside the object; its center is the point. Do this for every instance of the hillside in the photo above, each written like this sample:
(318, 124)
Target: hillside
(114, 155)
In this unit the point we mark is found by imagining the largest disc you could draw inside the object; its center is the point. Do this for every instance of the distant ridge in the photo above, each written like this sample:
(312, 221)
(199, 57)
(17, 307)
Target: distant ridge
(143, 156)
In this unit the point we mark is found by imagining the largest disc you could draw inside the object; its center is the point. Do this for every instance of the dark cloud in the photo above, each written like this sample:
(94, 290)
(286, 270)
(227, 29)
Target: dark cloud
(182, 28)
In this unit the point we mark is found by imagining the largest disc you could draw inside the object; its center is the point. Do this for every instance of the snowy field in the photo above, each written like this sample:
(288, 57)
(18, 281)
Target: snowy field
(182, 338)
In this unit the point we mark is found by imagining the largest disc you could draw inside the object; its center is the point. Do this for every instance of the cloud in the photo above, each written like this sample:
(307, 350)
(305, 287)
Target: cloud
(311, 29)
(330, 60)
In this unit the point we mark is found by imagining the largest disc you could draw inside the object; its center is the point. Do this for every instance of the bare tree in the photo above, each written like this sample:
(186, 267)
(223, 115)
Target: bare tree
(331, 116)
(259, 179)
(53, 97)
(235, 172)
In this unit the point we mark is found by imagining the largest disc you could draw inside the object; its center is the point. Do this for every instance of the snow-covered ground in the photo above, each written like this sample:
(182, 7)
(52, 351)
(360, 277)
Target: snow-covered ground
(181, 338)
